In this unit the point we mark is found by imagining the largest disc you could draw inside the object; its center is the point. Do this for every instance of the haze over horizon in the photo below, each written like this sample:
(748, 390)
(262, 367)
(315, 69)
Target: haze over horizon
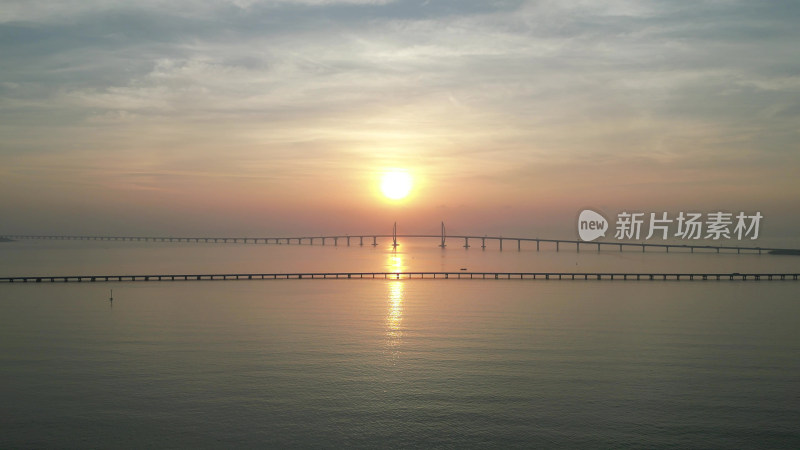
(279, 117)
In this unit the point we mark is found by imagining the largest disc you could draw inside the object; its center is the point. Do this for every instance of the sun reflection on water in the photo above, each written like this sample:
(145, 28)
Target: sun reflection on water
(394, 319)
(394, 263)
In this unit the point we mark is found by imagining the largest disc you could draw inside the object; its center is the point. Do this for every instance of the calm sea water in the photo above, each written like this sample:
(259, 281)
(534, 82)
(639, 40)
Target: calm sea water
(380, 363)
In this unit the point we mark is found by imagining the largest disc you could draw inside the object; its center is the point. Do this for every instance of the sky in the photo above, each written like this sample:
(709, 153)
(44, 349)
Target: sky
(278, 118)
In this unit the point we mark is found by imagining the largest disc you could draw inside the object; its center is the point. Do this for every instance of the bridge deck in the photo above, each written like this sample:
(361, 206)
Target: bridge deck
(462, 240)
(408, 275)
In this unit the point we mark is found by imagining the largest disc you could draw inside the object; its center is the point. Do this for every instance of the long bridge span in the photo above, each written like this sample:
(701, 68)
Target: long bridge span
(621, 276)
(467, 241)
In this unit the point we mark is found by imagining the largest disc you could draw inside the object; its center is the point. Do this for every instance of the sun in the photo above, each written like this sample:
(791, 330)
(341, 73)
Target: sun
(396, 184)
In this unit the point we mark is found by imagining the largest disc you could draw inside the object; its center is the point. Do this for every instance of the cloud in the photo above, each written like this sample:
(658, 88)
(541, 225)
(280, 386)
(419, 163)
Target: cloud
(466, 88)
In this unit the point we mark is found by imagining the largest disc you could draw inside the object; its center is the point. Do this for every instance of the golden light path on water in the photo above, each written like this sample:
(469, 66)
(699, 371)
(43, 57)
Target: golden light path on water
(394, 314)
(394, 263)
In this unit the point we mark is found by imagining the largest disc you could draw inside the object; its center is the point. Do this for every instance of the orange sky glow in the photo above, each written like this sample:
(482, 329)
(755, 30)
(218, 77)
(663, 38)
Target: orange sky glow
(282, 117)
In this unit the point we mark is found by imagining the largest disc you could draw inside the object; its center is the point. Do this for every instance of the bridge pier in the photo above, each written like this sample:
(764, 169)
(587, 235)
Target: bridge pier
(483, 243)
(361, 240)
(348, 241)
(556, 245)
(578, 247)
(519, 245)
(598, 247)
(466, 242)
(537, 245)
(501, 244)
(336, 242)
(374, 241)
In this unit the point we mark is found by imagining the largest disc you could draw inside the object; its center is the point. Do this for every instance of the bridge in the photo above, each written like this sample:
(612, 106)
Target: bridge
(467, 241)
(622, 276)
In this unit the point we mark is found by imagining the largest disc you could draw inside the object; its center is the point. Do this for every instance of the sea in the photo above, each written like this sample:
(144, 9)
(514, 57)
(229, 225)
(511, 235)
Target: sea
(387, 363)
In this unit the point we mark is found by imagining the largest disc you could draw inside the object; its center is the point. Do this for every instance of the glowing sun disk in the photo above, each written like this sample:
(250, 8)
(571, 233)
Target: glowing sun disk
(396, 184)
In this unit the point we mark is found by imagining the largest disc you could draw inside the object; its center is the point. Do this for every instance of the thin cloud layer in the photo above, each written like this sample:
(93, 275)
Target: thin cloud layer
(519, 97)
